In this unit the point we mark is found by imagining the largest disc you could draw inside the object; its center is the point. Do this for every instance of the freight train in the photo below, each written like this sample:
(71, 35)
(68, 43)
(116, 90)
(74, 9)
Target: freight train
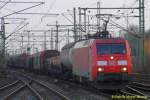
(97, 60)
(36, 62)
(85, 60)
(19, 61)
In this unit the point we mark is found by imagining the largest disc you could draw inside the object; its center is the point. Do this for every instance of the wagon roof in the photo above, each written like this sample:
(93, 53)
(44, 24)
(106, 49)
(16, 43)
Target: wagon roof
(44, 52)
(70, 45)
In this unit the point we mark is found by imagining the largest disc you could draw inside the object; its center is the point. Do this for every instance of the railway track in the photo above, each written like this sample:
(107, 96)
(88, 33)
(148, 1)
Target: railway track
(105, 92)
(95, 94)
(39, 89)
(67, 85)
(137, 90)
(11, 89)
(38, 86)
(141, 78)
(42, 90)
(70, 83)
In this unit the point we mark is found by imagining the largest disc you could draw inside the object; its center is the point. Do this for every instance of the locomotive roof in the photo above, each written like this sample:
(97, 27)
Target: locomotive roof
(111, 38)
(70, 45)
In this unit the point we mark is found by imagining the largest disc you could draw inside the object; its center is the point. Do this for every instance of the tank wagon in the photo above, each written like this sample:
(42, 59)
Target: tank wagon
(97, 60)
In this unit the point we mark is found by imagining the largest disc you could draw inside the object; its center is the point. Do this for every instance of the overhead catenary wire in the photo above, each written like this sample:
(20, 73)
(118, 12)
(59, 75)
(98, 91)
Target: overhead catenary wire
(67, 18)
(123, 28)
(51, 6)
(16, 29)
(18, 2)
(112, 23)
(31, 13)
(18, 12)
(15, 32)
(4, 4)
(23, 9)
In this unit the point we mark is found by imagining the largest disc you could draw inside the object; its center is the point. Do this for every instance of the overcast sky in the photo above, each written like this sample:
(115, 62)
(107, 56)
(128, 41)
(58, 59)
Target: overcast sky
(61, 6)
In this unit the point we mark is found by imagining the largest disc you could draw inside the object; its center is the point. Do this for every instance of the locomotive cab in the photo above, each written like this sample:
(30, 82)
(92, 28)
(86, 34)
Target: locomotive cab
(112, 60)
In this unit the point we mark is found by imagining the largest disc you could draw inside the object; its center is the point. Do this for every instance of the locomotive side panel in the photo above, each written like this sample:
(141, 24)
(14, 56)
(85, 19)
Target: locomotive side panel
(129, 58)
(81, 62)
(94, 60)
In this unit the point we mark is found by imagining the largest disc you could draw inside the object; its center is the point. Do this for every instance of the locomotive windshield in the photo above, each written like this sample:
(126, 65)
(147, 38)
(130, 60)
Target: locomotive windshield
(111, 48)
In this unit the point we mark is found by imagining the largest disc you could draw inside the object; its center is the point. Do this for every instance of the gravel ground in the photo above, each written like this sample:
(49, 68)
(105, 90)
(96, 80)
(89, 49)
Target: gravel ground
(73, 92)
(25, 94)
(6, 79)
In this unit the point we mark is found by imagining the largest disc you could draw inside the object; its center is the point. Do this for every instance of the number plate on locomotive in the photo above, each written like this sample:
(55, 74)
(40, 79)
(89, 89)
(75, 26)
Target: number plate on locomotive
(112, 63)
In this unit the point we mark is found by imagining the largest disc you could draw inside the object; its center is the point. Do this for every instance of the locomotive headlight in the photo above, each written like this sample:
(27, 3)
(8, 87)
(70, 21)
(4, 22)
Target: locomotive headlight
(100, 69)
(122, 62)
(102, 63)
(111, 57)
(124, 69)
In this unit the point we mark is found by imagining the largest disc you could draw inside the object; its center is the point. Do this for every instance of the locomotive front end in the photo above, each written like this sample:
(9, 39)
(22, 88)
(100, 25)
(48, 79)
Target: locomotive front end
(112, 60)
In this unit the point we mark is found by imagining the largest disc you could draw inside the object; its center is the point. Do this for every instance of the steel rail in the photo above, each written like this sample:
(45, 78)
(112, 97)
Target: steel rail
(17, 89)
(141, 74)
(145, 80)
(59, 91)
(138, 92)
(33, 90)
(89, 88)
(135, 87)
(29, 86)
(14, 92)
(51, 89)
(141, 88)
(141, 84)
(128, 93)
(26, 84)
(9, 85)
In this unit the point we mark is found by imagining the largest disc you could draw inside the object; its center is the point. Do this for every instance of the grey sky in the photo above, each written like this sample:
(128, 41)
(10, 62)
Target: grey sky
(61, 6)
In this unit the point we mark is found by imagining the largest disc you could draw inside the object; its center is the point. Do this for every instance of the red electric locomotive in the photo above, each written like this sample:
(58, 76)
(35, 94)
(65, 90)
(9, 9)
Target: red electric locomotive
(112, 60)
(97, 59)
